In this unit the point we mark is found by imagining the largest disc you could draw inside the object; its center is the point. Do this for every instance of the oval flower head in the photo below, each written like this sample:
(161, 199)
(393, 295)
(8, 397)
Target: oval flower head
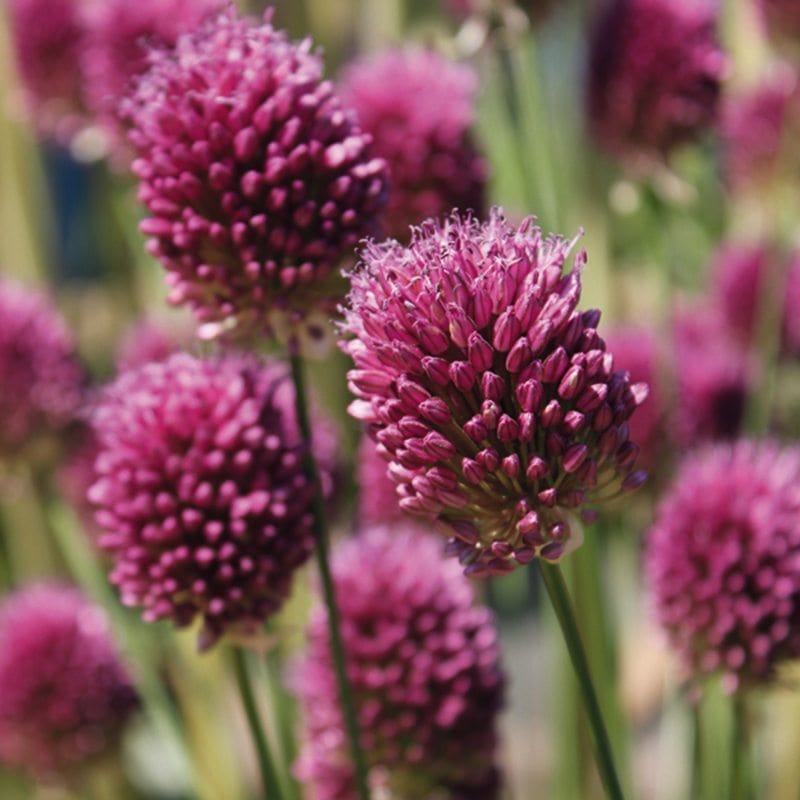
(723, 561)
(201, 492)
(490, 393)
(257, 181)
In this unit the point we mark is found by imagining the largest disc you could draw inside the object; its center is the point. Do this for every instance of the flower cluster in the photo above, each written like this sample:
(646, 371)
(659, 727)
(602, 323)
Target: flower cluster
(723, 561)
(492, 396)
(48, 39)
(738, 279)
(424, 666)
(257, 181)
(41, 376)
(118, 37)
(201, 490)
(654, 75)
(714, 374)
(64, 693)
(758, 129)
(419, 107)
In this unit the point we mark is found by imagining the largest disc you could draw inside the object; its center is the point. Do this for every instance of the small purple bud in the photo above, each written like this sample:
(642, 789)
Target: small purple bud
(552, 551)
(476, 429)
(488, 459)
(439, 446)
(603, 417)
(462, 375)
(511, 466)
(435, 410)
(507, 429)
(554, 366)
(574, 457)
(436, 369)
(529, 524)
(527, 426)
(571, 383)
(547, 497)
(411, 392)
(472, 470)
(634, 480)
(493, 386)
(479, 352)
(552, 415)
(573, 422)
(537, 469)
(506, 331)
(554, 444)
(592, 397)
(539, 336)
(524, 555)
(518, 356)
(501, 549)
(529, 395)
(490, 413)
(627, 455)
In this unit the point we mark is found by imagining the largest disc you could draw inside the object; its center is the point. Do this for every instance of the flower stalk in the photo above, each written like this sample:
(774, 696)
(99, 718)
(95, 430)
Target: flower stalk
(559, 597)
(323, 565)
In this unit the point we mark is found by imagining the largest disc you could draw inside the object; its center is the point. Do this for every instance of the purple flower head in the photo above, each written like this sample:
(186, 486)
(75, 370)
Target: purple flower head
(119, 36)
(47, 36)
(723, 561)
(201, 492)
(738, 274)
(492, 395)
(64, 694)
(378, 502)
(423, 662)
(714, 374)
(654, 75)
(636, 350)
(759, 129)
(40, 375)
(419, 107)
(257, 181)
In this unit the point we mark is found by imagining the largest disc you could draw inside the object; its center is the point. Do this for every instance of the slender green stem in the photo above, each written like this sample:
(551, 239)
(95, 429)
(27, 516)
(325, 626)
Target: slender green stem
(697, 753)
(6, 563)
(741, 776)
(269, 773)
(323, 565)
(559, 597)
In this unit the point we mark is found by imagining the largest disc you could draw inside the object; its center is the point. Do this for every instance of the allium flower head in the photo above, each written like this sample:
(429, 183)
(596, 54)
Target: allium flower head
(419, 108)
(423, 662)
(654, 75)
(40, 375)
(257, 181)
(723, 561)
(64, 693)
(492, 396)
(119, 35)
(47, 36)
(714, 373)
(201, 490)
(759, 129)
(738, 274)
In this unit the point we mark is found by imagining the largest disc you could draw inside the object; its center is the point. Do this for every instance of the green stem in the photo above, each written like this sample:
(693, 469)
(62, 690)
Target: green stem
(6, 562)
(323, 565)
(269, 774)
(559, 597)
(740, 787)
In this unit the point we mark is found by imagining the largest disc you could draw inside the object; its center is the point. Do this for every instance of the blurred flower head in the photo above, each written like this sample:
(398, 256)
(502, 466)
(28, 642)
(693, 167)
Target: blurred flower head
(759, 130)
(119, 35)
(423, 662)
(40, 375)
(714, 374)
(491, 395)
(257, 181)
(738, 282)
(64, 694)
(723, 561)
(654, 76)
(201, 492)
(419, 108)
(48, 38)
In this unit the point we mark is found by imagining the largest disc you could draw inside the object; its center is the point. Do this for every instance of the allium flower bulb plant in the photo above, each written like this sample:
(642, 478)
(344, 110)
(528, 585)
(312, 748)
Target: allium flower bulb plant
(723, 561)
(419, 108)
(423, 662)
(41, 377)
(201, 492)
(257, 181)
(654, 76)
(47, 38)
(65, 695)
(491, 395)
(119, 35)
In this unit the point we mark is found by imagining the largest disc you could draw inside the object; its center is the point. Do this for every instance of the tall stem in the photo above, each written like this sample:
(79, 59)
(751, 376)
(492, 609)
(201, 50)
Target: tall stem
(269, 774)
(323, 565)
(557, 591)
(741, 777)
